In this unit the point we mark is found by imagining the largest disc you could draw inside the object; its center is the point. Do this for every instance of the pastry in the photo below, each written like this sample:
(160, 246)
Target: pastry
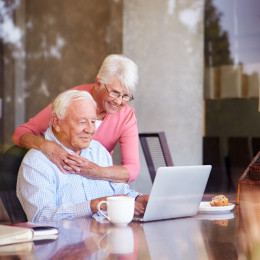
(219, 200)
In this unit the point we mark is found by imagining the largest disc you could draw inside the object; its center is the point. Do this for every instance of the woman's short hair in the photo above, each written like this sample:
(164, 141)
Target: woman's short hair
(121, 67)
(63, 100)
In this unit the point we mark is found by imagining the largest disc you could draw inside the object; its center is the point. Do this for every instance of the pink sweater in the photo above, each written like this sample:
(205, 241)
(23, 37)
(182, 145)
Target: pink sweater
(121, 126)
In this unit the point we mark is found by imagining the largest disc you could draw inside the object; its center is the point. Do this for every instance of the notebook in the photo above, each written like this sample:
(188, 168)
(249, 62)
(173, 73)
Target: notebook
(176, 192)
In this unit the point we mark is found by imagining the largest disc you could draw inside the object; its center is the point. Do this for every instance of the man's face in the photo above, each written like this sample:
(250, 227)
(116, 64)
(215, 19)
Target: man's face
(78, 127)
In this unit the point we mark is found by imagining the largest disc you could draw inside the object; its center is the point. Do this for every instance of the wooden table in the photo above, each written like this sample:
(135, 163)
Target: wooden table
(205, 236)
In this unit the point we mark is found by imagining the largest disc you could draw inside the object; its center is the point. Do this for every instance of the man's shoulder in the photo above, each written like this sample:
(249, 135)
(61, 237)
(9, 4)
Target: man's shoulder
(34, 155)
(33, 152)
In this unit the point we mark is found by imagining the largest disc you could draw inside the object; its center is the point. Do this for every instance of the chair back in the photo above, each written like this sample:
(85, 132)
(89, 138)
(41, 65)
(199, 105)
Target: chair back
(156, 151)
(9, 167)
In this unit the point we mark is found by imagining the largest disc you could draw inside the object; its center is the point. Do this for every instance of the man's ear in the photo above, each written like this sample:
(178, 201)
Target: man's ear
(55, 121)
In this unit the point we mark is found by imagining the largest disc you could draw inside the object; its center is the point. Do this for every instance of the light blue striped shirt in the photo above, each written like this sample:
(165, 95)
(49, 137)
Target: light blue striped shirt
(47, 194)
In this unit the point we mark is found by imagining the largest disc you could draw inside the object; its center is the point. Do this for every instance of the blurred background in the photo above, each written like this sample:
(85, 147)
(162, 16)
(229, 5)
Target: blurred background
(199, 68)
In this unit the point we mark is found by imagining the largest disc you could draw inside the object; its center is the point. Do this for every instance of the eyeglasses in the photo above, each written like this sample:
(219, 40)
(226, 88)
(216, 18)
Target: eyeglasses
(115, 94)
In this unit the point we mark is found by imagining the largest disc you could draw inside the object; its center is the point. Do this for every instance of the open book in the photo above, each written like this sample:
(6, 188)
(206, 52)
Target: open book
(24, 232)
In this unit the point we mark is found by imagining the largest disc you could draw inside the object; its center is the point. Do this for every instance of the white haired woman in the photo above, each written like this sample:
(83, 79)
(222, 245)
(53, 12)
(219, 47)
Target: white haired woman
(113, 89)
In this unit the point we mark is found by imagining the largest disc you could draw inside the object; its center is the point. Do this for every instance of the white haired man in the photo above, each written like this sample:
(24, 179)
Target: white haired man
(45, 192)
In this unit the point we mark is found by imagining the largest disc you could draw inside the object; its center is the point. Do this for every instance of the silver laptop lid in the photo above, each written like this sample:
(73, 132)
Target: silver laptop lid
(177, 192)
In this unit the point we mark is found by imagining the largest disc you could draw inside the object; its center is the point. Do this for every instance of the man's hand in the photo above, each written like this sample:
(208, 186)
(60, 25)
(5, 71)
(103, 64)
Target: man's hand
(94, 203)
(140, 204)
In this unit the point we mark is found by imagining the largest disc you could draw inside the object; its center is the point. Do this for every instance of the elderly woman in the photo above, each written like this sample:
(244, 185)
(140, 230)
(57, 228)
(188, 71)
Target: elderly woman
(113, 89)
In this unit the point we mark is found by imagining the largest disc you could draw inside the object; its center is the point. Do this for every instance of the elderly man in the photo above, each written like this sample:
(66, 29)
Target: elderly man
(45, 192)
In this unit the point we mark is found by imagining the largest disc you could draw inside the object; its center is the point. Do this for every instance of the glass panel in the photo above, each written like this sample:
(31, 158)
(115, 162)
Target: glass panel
(232, 49)
(232, 71)
(47, 47)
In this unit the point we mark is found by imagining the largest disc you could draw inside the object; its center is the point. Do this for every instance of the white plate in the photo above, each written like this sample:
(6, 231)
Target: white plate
(220, 216)
(206, 208)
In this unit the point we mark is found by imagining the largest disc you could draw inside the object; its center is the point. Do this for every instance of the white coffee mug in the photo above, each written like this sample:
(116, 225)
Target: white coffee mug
(120, 209)
(118, 240)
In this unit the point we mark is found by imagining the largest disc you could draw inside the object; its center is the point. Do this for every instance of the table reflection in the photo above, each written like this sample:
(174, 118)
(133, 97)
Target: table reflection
(205, 236)
(89, 239)
(249, 223)
(182, 239)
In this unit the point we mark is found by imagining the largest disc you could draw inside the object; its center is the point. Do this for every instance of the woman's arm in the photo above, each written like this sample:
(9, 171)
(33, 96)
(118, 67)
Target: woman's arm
(129, 146)
(37, 126)
(122, 127)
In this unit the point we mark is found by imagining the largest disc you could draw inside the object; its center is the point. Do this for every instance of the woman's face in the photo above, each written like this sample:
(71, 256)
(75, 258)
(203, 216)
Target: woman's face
(110, 104)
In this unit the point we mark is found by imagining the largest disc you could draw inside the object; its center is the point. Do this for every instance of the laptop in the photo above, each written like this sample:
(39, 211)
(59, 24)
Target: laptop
(176, 192)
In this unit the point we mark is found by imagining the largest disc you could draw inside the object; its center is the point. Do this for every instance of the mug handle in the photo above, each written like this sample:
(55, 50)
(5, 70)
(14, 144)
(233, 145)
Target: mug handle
(100, 240)
(99, 210)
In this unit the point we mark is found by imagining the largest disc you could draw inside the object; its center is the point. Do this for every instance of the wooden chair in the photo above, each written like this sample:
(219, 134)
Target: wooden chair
(156, 151)
(249, 183)
(9, 167)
